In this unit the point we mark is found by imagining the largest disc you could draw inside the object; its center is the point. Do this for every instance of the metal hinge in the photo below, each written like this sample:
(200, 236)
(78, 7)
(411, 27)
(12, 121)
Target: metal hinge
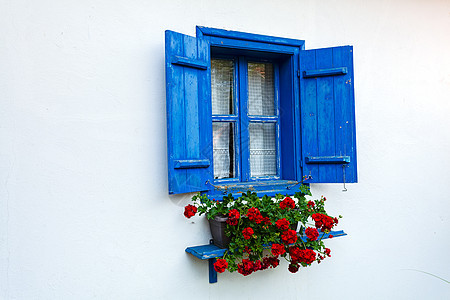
(299, 73)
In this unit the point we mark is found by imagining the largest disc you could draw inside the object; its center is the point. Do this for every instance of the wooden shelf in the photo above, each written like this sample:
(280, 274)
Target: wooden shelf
(211, 252)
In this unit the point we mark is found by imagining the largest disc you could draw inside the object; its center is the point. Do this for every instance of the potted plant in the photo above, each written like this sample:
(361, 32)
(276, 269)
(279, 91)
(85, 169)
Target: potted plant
(260, 231)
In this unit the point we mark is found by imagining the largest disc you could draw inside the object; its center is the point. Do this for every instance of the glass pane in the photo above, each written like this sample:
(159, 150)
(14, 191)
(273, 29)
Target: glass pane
(263, 154)
(261, 89)
(223, 150)
(222, 72)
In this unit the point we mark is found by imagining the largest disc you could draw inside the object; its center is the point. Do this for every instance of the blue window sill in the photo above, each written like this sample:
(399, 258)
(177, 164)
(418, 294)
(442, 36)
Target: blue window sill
(211, 252)
(262, 187)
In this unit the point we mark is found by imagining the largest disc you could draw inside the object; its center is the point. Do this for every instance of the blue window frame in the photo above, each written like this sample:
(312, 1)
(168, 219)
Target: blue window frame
(314, 103)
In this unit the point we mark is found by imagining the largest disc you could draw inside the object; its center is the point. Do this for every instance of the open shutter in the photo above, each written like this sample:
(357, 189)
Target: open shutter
(328, 115)
(188, 104)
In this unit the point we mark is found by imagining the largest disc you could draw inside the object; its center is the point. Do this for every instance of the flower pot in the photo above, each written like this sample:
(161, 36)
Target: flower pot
(218, 225)
(294, 226)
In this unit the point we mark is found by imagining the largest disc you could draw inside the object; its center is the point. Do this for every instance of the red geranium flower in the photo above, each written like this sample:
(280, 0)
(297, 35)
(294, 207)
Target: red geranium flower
(254, 215)
(277, 249)
(289, 236)
(233, 217)
(311, 204)
(283, 224)
(257, 265)
(293, 268)
(306, 256)
(245, 267)
(190, 210)
(324, 222)
(327, 252)
(287, 203)
(247, 233)
(312, 233)
(220, 265)
(270, 262)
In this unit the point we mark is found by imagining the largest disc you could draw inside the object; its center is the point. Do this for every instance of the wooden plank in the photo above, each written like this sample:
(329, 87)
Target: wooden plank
(205, 111)
(344, 113)
(192, 128)
(340, 111)
(212, 272)
(327, 159)
(309, 115)
(175, 110)
(350, 123)
(191, 163)
(189, 62)
(325, 72)
(325, 116)
(212, 251)
(206, 251)
(220, 33)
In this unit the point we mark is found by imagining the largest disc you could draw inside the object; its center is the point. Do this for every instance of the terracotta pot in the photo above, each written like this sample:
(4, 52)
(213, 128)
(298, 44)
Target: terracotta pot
(218, 225)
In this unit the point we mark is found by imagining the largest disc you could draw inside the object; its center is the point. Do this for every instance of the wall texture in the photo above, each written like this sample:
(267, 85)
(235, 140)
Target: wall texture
(84, 210)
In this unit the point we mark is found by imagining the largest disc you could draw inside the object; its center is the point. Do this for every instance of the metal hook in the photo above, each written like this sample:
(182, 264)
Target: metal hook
(307, 177)
(343, 175)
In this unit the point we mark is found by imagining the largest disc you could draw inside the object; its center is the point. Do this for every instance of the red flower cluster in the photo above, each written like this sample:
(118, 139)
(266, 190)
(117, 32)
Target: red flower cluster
(247, 233)
(312, 233)
(324, 222)
(293, 268)
(327, 251)
(220, 265)
(267, 221)
(270, 262)
(190, 211)
(287, 203)
(233, 217)
(277, 249)
(306, 256)
(289, 236)
(311, 204)
(283, 224)
(254, 215)
(247, 267)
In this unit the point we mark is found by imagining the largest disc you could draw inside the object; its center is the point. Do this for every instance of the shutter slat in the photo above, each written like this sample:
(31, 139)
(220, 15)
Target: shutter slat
(189, 62)
(325, 113)
(325, 72)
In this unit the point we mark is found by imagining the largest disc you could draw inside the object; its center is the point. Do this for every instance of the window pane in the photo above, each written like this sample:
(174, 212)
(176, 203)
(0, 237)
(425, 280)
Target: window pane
(222, 72)
(223, 150)
(261, 89)
(263, 154)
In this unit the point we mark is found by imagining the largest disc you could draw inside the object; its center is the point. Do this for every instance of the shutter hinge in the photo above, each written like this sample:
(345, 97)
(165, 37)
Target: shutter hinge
(299, 73)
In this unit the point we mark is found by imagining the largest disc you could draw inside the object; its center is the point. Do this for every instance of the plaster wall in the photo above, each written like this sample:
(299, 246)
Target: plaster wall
(84, 209)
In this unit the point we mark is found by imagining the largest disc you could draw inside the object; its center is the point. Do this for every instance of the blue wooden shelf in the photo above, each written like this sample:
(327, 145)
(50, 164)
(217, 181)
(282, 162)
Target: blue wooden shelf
(211, 252)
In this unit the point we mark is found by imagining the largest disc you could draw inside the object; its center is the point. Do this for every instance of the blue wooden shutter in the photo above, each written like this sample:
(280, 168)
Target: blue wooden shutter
(328, 115)
(188, 104)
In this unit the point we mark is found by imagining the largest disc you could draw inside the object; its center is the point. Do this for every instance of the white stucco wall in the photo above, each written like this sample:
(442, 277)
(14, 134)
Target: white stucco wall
(84, 210)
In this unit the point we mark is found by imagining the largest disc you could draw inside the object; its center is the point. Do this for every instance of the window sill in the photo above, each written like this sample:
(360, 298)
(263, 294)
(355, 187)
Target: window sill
(267, 187)
(211, 252)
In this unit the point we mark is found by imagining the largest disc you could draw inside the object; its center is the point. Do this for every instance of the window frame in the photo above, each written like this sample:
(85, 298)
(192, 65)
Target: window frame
(284, 53)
